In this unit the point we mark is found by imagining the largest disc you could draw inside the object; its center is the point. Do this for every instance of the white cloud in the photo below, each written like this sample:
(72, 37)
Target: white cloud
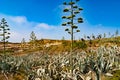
(43, 25)
(49, 31)
(21, 28)
(19, 19)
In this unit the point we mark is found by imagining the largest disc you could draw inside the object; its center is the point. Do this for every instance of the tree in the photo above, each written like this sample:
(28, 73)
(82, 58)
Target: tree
(109, 34)
(33, 39)
(116, 33)
(23, 44)
(104, 35)
(32, 36)
(99, 36)
(72, 19)
(93, 36)
(85, 36)
(4, 28)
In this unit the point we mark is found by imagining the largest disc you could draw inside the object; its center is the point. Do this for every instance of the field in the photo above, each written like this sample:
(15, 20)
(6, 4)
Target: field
(52, 60)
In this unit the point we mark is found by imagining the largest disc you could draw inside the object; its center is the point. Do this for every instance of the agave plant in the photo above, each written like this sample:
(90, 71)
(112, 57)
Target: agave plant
(47, 67)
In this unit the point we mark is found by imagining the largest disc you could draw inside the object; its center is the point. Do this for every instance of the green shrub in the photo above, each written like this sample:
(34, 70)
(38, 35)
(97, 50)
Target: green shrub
(80, 44)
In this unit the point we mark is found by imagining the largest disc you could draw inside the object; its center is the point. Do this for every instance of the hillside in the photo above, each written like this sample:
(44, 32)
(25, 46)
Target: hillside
(54, 46)
(51, 59)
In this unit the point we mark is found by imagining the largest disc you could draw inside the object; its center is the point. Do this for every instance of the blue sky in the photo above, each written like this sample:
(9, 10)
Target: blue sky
(44, 18)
